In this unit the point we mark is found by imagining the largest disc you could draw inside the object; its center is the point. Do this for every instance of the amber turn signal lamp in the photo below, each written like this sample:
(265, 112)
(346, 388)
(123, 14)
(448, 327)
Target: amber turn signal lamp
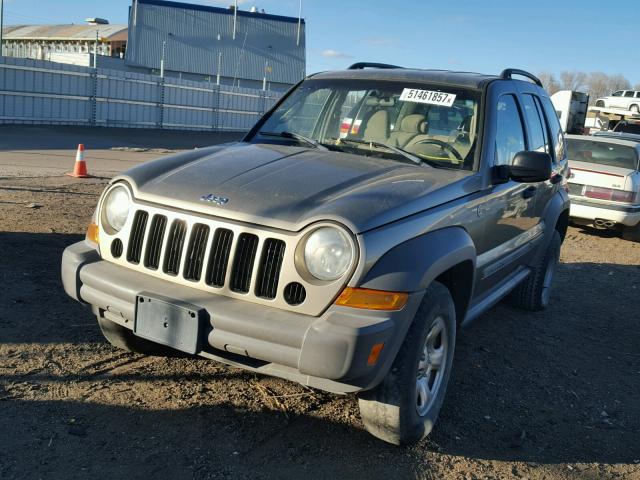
(372, 299)
(374, 354)
(93, 233)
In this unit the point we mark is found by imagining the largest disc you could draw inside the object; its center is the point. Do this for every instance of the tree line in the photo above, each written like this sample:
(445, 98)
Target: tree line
(596, 84)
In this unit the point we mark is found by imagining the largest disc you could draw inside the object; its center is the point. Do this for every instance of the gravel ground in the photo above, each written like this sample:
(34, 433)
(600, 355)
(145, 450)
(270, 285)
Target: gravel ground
(533, 395)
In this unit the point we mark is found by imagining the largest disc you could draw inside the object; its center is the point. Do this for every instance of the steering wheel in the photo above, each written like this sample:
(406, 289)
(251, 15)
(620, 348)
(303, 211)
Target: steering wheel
(442, 144)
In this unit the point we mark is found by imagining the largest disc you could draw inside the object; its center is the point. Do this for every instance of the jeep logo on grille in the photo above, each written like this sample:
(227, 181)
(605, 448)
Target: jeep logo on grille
(211, 198)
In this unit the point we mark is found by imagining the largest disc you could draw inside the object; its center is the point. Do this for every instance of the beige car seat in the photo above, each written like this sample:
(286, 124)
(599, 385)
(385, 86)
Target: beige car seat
(410, 126)
(377, 129)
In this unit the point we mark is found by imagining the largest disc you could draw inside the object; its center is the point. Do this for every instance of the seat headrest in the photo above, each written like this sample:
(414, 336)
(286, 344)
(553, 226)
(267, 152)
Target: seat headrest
(411, 123)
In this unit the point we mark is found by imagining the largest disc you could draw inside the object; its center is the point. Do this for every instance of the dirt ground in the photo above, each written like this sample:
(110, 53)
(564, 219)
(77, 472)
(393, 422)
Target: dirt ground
(533, 395)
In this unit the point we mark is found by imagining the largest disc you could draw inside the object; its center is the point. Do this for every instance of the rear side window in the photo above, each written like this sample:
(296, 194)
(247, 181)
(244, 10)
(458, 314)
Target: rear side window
(628, 94)
(555, 129)
(509, 131)
(537, 125)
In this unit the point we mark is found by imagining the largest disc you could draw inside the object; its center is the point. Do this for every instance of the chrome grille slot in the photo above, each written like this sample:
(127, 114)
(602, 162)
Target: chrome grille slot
(154, 242)
(137, 236)
(269, 268)
(175, 244)
(196, 251)
(245, 256)
(219, 257)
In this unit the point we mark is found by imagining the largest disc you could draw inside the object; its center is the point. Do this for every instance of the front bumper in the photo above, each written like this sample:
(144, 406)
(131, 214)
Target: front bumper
(621, 214)
(329, 352)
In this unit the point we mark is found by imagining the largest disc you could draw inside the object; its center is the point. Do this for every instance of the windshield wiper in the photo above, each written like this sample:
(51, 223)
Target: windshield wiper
(295, 136)
(410, 156)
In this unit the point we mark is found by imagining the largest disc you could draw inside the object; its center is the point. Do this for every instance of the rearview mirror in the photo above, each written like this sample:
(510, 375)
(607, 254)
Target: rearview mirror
(527, 167)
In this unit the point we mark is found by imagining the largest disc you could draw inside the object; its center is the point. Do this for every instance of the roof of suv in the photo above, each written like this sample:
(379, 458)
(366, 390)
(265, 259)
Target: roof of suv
(461, 79)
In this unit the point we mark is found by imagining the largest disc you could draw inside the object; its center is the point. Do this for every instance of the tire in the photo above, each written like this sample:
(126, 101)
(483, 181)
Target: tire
(394, 411)
(631, 233)
(534, 292)
(600, 103)
(124, 339)
(634, 109)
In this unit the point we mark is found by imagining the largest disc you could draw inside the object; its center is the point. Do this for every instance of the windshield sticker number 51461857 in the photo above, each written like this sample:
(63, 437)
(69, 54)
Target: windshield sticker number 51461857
(427, 96)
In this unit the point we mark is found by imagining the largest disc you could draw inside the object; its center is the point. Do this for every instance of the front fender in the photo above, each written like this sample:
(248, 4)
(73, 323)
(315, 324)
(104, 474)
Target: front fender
(412, 265)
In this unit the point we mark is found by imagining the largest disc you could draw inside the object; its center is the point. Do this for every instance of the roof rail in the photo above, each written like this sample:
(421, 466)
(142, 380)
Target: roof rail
(508, 73)
(363, 65)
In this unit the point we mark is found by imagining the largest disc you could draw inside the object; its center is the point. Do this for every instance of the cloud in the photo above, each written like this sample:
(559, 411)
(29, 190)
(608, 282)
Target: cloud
(334, 54)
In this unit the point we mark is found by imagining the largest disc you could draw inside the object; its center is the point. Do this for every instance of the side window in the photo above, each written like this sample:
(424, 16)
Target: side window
(637, 95)
(628, 93)
(509, 130)
(537, 126)
(617, 94)
(554, 128)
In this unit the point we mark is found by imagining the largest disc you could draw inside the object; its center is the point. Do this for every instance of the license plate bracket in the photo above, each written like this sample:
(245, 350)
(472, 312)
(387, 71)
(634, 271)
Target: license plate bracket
(169, 322)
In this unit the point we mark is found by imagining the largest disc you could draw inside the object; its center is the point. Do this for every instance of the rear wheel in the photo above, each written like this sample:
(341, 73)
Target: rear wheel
(632, 233)
(405, 406)
(634, 108)
(534, 292)
(123, 338)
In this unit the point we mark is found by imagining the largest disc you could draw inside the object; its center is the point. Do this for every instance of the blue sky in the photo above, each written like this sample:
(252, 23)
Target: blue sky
(484, 36)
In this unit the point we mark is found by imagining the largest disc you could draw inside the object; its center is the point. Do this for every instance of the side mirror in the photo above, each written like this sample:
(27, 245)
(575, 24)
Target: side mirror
(527, 167)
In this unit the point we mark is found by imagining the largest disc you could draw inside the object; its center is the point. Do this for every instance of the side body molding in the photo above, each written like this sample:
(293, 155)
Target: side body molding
(412, 265)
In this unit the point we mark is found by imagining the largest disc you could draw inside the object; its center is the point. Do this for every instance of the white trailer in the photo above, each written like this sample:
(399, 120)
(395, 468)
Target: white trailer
(571, 107)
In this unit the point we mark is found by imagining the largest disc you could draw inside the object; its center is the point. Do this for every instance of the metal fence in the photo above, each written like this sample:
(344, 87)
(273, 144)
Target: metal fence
(41, 92)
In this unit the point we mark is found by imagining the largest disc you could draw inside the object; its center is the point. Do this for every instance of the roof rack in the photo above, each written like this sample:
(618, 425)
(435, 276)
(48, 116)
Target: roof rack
(508, 73)
(363, 65)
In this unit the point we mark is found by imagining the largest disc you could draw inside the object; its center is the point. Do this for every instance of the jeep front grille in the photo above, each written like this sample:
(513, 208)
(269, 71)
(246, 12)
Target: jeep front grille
(219, 258)
(137, 236)
(243, 263)
(213, 258)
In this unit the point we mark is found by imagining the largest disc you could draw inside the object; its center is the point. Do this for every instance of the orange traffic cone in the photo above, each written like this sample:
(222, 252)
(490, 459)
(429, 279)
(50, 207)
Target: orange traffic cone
(80, 167)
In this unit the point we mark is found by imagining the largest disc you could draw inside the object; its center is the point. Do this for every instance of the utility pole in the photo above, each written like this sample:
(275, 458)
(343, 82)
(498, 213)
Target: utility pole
(299, 24)
(264, 79)
(162, 60)
(95, 51)
(235, 18)
(1, 24)
(219, 66)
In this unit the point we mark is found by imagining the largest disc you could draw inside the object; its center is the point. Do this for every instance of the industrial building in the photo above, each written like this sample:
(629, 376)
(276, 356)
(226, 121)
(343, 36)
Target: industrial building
(243, 48)
(64, 43)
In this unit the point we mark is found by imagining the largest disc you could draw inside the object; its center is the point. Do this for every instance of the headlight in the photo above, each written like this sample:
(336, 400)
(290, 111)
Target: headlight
(116, 207)
(328, 253)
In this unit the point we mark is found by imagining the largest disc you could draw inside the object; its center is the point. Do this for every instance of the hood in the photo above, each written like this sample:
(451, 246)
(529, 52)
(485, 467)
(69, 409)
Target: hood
(289, 187)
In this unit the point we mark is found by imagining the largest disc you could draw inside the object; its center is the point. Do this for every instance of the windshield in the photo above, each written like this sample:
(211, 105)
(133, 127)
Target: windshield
(602, 153)
(397, 120)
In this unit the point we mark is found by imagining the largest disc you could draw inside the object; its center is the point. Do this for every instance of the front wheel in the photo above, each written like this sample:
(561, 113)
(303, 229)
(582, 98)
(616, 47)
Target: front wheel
(600, 103)
(405, 406)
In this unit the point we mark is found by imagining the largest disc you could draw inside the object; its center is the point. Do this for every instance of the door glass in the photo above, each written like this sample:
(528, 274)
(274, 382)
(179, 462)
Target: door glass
(509, 132)
(537, 134)
(628, 94)
(556, 130)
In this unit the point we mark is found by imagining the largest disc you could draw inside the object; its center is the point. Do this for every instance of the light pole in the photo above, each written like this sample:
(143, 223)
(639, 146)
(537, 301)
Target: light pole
(162, 60)
(1, 24)
(299, 23)
(219, 66)
(235, 18)
(95, 51)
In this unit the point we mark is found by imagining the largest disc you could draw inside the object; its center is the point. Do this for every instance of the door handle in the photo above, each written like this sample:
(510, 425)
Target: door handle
(529, 192)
